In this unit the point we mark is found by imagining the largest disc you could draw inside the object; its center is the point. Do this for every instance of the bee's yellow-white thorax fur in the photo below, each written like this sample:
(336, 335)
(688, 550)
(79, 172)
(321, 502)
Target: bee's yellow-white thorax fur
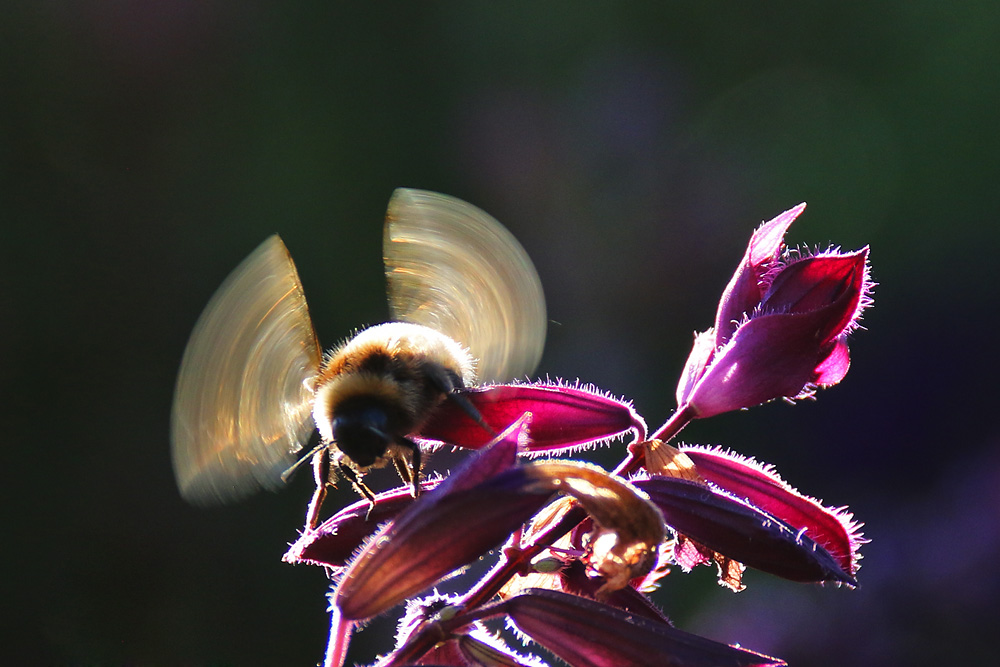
(403, 352)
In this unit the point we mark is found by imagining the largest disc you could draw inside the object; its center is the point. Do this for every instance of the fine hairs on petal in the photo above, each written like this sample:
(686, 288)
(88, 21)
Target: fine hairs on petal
(421, 609)
(561, 383)
(564, 417)
(848, 542)
(868, 286)
(590, 388)
(801, 253)
(639, 432)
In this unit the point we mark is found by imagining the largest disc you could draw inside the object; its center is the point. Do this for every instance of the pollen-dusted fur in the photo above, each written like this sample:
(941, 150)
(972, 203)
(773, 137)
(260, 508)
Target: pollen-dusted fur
(408, 368)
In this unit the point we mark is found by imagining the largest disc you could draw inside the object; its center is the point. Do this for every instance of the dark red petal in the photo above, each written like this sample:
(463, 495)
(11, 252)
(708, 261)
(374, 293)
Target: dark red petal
(437, 534)
(490, 461)
(562, 417)
(832, 370)
(819, 282)
(833, 529)
(335, 541)
(737, 529)
(698, 359)
(743, 293)
(771, 356)
(586, 633)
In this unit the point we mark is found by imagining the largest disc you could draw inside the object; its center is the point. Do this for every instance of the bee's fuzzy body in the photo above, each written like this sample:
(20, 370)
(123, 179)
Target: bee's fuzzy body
(396, 373)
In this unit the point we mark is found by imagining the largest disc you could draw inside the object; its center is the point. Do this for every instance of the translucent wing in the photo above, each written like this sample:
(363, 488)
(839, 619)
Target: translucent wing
(452, 267)
(241, 406)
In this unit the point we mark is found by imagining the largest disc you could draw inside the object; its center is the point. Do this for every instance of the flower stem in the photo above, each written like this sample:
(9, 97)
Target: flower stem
(636, 452)
(512, 562)
(681, 418)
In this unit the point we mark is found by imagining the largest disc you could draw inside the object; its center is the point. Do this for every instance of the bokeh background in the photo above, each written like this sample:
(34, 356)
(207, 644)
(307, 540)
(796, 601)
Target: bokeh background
(146, 146)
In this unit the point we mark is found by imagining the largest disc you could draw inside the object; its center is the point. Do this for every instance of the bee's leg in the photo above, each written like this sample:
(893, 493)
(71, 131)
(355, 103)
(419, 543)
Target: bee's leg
(321, 474)
(411, 474)
(352, 476)
(404, 470)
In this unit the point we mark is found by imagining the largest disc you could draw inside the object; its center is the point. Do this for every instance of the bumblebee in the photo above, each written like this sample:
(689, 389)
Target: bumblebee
(466, 306)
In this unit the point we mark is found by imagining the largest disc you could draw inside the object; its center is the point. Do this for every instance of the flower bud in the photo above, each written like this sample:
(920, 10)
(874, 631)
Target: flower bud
(832, 528)
(739, 530)
(587, 632)
(440, 532)
(563, 417)
(781, 326)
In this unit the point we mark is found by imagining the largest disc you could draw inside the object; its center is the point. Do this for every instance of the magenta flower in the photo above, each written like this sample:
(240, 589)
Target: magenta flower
(487, 499)
(472, 511)
(577, 548)
(479, 507)
(781, 326)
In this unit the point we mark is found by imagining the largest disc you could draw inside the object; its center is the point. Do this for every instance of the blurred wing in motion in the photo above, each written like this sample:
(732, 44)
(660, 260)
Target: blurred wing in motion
(242, 405)
(454, 268)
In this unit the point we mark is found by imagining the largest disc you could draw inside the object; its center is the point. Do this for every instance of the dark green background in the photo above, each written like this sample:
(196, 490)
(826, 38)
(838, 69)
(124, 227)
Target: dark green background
(147, 146)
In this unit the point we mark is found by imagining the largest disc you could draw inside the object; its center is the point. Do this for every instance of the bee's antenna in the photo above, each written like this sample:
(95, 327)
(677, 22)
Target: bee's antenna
(462, 401)
(285, 476)
(451, 385)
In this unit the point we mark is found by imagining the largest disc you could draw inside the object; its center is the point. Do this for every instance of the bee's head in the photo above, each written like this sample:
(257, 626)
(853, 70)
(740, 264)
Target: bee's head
(352, 394)
(361, 430)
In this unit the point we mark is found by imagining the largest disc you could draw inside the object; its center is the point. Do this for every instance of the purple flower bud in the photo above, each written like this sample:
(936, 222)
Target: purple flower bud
(334, 542)
(440, 532)
(781, 326)
(744, 291)
(586, 632)
(832, 528)
(563, 417)
(741, 531)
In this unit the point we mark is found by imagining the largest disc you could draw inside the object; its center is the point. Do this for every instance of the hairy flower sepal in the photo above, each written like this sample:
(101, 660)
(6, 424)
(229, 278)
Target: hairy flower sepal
(738, 530)
(781, 327)
(832, 528)
(457, 523)
(471, 512)
(563, 417)
(587, 633)
(334, 542)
